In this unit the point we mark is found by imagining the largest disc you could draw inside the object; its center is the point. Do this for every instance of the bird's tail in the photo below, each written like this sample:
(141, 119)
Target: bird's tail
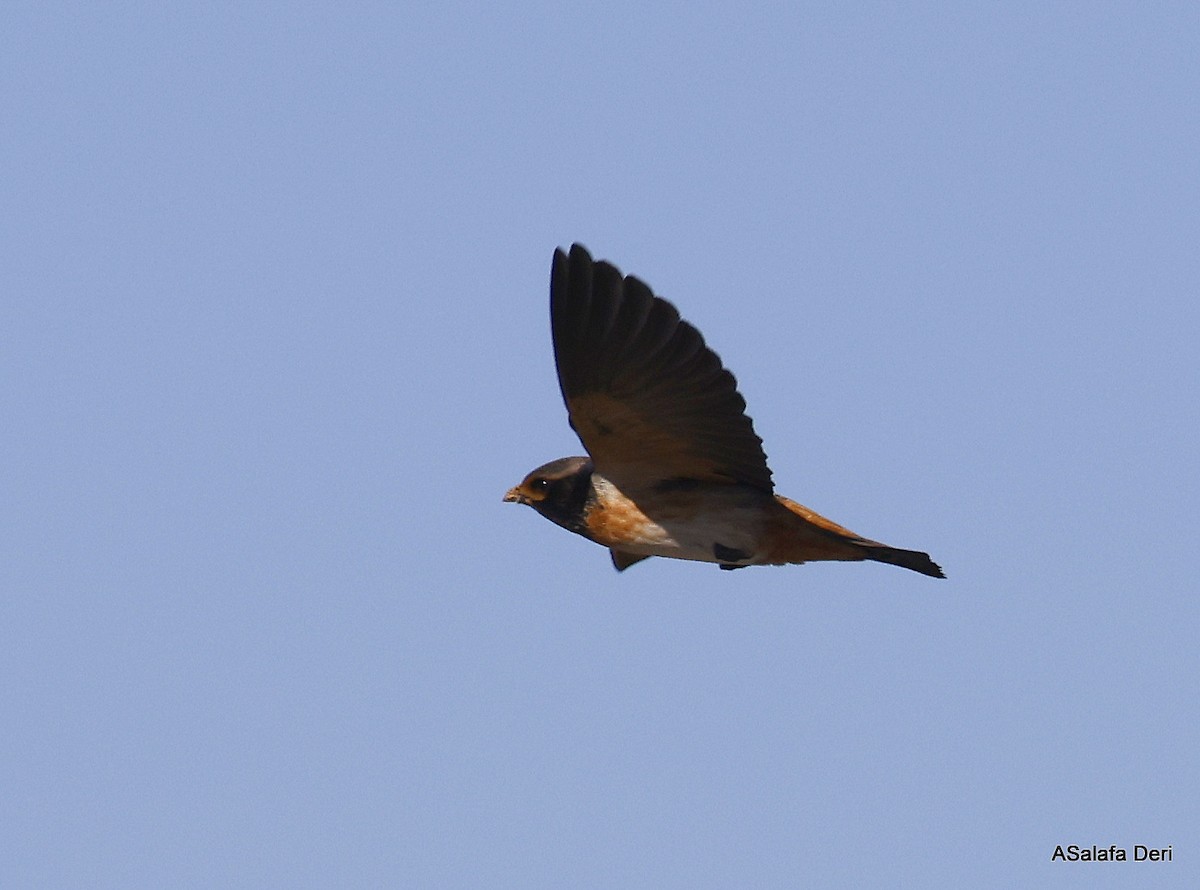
(908, 559)
(820, 538)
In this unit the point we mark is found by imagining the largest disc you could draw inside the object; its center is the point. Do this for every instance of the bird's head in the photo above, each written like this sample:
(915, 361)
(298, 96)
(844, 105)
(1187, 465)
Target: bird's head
(550, 482)
(558, 490)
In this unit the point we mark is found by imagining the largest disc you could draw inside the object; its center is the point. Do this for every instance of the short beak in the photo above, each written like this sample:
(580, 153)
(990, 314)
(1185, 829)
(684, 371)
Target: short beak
(514, 497)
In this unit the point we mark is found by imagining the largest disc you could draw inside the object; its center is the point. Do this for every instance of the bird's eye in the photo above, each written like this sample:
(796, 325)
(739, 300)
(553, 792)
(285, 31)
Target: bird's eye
(540, 484)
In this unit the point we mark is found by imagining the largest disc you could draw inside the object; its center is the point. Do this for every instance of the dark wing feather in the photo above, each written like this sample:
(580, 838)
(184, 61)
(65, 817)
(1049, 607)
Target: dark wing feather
(650, 401)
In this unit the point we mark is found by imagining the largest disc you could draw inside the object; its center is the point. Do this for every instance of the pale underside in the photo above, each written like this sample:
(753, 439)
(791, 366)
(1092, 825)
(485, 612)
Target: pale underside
(715, 523)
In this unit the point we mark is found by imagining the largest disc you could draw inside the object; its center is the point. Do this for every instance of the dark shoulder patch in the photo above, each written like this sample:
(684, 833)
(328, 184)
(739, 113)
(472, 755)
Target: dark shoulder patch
(622, 560)
(678, 484)
(729, 554)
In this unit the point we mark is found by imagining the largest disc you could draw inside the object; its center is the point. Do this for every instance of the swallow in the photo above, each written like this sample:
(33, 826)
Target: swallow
(674, 467)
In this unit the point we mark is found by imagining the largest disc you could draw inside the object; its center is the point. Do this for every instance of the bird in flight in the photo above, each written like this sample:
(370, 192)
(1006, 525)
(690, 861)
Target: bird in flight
(674, 467)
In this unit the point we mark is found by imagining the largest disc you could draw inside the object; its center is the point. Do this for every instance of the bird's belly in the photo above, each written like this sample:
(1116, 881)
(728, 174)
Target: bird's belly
(715, 524)
(700, 540)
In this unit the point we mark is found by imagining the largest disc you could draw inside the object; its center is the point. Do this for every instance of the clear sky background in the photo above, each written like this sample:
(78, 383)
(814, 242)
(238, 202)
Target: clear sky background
(274, 342)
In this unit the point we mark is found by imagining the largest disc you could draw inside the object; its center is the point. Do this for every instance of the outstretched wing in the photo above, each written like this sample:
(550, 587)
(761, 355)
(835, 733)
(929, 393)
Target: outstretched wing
(649, 400)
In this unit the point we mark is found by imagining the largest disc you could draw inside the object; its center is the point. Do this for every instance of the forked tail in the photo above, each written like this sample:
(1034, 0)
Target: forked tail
(907, 559)
(820, 538)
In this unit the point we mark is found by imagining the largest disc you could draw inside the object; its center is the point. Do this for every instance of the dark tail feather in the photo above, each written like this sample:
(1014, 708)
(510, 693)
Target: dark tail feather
(908, 559)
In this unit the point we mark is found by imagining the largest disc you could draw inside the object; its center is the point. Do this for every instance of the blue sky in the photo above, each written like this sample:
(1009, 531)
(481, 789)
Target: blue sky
(274, 342)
